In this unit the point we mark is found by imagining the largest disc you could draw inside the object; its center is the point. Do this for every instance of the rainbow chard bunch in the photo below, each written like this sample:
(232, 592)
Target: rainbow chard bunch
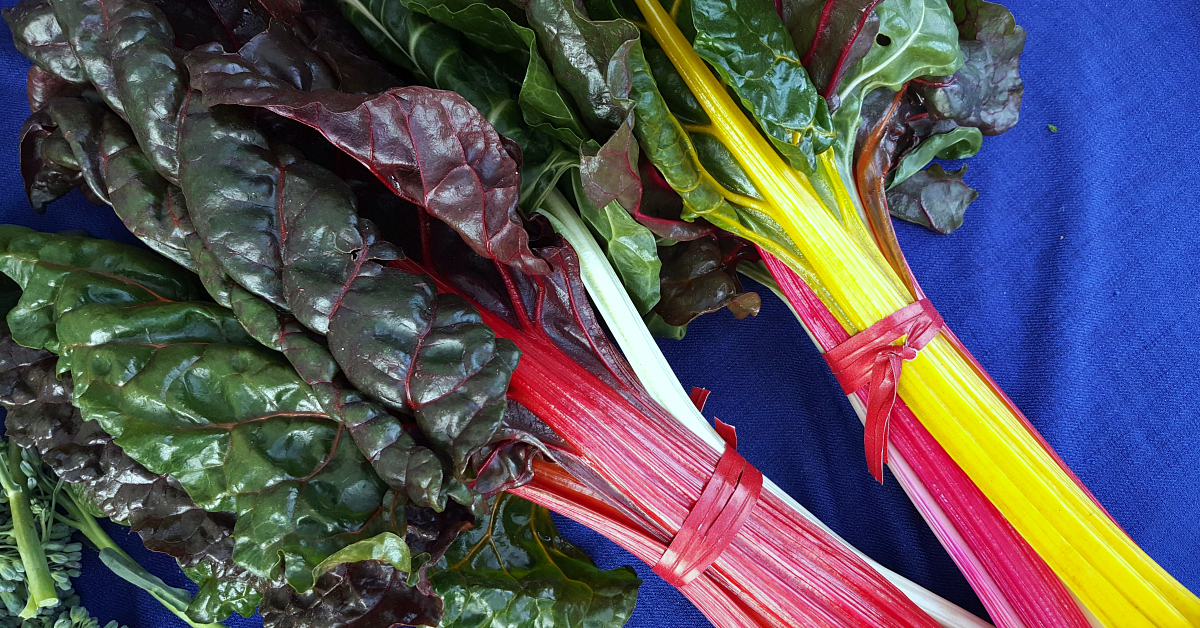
(362, 339)
(801, 128)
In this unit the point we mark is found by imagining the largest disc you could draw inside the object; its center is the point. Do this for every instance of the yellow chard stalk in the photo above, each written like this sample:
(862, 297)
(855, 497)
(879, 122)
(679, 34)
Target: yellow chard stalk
(1112, 577)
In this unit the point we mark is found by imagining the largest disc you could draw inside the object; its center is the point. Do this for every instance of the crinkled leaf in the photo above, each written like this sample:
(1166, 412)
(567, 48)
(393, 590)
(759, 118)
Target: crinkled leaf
(986, 91)
(104, 478)
(370, 594)
(60, 273)
(394, 337)
(440, 54)
(958, 143)
(442, 154)
(753, 53)
(41, 86)
(580, 52)
(340, 45)
(38, 35)
(246, 433)
(933, 198)
(832, 36)
(700, 277)
(82, 124)
(533, 578)
(127, 50)
(629, 246)
(542, 104)
(230, 23)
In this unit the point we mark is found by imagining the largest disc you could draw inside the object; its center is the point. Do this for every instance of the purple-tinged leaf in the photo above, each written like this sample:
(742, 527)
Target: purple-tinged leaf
(611, 173)
(933, 198)
(441, 154)
(230, 23)
(42, 86)
(986, 92)
(833, 39)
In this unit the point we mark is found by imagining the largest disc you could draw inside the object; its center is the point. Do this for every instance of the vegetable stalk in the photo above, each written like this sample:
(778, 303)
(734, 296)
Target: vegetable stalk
(25, 532)
(1101, 565)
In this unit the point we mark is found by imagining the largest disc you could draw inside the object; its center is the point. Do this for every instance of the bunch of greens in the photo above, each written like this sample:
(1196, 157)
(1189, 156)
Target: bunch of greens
(340, 410)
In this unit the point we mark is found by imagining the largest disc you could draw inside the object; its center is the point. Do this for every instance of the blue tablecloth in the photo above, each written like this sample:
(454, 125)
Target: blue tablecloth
(1075, 280)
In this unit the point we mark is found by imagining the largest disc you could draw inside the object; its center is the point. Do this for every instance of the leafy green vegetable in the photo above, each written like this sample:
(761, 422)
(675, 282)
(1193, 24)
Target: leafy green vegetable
(700, 277)
(542, 104)
(832, 37)
(37, 35)
(958, 143)
(127, 51)
(985, 92)
(922, 40)
(534, 577)
(753, 54)
(933, 198)
(629, 246)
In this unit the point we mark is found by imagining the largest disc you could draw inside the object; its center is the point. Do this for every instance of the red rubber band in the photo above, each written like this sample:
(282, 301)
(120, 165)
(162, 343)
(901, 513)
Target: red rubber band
(870, 359)
(716, 518)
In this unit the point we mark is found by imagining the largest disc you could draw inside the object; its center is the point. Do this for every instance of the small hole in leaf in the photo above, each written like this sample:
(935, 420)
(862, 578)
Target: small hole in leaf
(883, 40)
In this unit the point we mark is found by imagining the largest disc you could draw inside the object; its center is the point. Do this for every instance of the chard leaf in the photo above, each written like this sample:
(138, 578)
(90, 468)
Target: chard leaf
(544, 107)
(753, 53)
(534, 577)
(230, 23)
(958, 143)
(474, 190)
(42, 86)
(629, 246)
(922, 40)
(246, 433)
(699, 277)
(385, 547)
(933, 198)
(48, 165)
(985, 92)
(580, 52)
(832, 36)
(58, 274)
(440, 54)
(367, 594)
(38, 35)
(127, 50)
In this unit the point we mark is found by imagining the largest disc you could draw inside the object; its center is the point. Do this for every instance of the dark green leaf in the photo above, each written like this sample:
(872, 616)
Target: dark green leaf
(440, 54)
(545, 109)
(127, 50)
(60, 273)
(580, 52)
(37, 35)
(246, 434)
(986, 91)
(533, 578)
(933, 198)
(753, 53)
(700, 277)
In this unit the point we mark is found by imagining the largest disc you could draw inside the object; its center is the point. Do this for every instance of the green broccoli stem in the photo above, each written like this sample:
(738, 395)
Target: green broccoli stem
(111, 554)
(40, 584)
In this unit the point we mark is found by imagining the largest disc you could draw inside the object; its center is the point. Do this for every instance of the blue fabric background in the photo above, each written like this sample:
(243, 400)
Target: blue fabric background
(1074, 280)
